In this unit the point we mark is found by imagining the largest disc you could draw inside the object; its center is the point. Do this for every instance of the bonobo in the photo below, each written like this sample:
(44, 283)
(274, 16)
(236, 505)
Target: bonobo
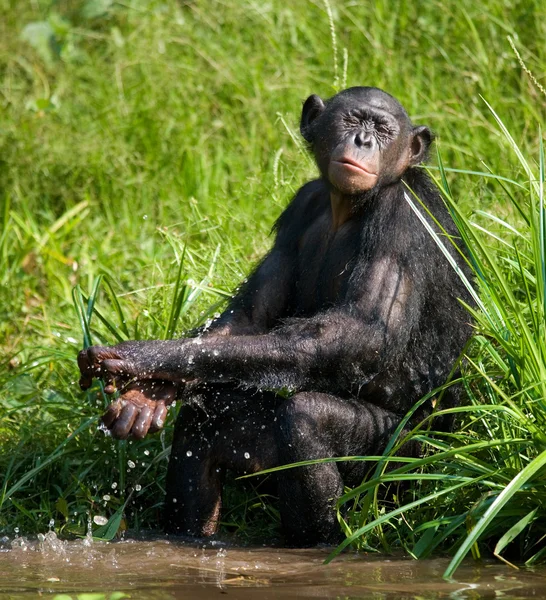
(354, 310)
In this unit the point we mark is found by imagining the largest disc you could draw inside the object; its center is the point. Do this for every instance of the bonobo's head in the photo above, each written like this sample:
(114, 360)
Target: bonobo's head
(362, 138)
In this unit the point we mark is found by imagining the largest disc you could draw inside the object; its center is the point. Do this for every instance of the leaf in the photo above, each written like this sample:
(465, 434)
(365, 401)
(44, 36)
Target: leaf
(41, 105)
(107, 532)
(62, 506)
(513, 532)
(22, 385)
(425, 541)
(41, 36)
(93, 9)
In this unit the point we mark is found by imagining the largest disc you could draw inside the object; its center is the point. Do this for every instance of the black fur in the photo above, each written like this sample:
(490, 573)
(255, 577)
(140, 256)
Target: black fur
(354, 310)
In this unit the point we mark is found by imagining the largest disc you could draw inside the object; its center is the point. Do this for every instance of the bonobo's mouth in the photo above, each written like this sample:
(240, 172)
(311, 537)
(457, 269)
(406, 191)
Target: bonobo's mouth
(353, 165)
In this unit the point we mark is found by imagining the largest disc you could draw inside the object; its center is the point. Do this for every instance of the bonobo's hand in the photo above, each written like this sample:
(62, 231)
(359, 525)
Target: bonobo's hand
(141, 408)
(121, 364)
(133, 368)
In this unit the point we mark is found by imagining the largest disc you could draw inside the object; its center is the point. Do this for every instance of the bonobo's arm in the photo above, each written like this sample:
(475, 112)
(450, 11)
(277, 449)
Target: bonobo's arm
(335, 348)
(257, 307)
(266, 297)
(262, 300)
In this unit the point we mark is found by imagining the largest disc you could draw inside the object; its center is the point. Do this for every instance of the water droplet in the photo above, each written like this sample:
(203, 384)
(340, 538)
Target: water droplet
(100, 520)
(247, 455)
(106, 498)
(189, 453)
(138, 487)
(147, 452)
(114, 485)
(131, 464)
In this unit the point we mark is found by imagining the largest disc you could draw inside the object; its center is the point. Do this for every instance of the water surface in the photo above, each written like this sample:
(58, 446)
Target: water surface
(162, 568)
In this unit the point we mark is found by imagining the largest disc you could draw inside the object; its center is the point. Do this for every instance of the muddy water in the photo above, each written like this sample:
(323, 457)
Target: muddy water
(161, 568)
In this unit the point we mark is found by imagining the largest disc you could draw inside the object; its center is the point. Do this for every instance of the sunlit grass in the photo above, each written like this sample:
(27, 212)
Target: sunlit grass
(144, 157)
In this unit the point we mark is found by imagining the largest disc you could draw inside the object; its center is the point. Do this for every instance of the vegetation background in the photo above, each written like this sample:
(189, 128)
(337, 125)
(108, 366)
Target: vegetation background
(146, 148)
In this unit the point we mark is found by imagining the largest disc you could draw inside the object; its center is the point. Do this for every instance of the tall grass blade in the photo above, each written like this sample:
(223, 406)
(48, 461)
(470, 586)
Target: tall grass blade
(180, 294)
(515, 148)
(117, 307)
(79, 305)
(446, 253)
(513, 532)
(542, 230)
(503, 498)
(56, 454)
(389, 515)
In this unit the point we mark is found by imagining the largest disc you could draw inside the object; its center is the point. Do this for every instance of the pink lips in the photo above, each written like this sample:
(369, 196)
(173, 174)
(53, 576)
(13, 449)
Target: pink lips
(353, 165)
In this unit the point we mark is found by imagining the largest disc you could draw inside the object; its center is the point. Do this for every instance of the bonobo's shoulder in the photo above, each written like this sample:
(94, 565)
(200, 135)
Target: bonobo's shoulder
(310, 200)
(418, 180)
(426, 190)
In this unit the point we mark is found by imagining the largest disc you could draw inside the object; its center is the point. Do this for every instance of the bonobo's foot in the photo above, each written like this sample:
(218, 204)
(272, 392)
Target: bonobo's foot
(141, 409)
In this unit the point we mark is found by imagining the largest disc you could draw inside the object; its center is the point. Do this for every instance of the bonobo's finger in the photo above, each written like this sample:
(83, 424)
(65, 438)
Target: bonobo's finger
(110, 388)
(114, 366)
(86, 372)
(112, 413)
(142, 423)
(159, 417)
(97, 354)
(124, 422)
(90, 364)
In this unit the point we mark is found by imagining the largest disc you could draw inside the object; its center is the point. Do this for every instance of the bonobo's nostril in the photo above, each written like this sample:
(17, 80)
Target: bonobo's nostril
(362, 141)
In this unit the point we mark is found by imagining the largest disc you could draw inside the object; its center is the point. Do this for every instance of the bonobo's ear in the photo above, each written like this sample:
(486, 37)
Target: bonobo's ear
(421, 139)
(312, 108)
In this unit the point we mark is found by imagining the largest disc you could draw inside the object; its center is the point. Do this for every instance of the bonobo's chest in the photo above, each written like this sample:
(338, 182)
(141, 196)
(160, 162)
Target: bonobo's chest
(326, 260)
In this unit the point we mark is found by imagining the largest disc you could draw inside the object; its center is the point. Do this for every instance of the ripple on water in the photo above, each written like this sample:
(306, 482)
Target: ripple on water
(166, 568)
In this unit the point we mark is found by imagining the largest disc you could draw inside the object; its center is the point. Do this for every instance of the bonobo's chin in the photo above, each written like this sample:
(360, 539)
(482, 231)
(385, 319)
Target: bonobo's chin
(358, 196)
(355, 196)
(349, 179)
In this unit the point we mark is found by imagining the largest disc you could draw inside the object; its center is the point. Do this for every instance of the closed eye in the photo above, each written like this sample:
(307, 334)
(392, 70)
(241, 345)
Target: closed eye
(383, 130)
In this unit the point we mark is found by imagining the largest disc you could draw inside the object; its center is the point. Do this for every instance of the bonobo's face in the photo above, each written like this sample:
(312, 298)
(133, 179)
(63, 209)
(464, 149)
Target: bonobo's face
(362, 138)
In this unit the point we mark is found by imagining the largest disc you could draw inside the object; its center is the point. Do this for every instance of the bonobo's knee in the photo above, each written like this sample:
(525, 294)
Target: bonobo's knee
(296, 416)
(299, 426)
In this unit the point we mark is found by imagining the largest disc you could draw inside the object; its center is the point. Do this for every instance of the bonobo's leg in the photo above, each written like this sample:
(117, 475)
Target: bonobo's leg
(315, 425)
(219, 427)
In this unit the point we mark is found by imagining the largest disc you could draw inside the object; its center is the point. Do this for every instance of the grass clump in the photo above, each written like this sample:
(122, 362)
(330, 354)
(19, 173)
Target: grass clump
(146, 149)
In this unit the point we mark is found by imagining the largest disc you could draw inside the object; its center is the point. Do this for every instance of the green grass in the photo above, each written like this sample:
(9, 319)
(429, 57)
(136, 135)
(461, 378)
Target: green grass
(146, 149)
